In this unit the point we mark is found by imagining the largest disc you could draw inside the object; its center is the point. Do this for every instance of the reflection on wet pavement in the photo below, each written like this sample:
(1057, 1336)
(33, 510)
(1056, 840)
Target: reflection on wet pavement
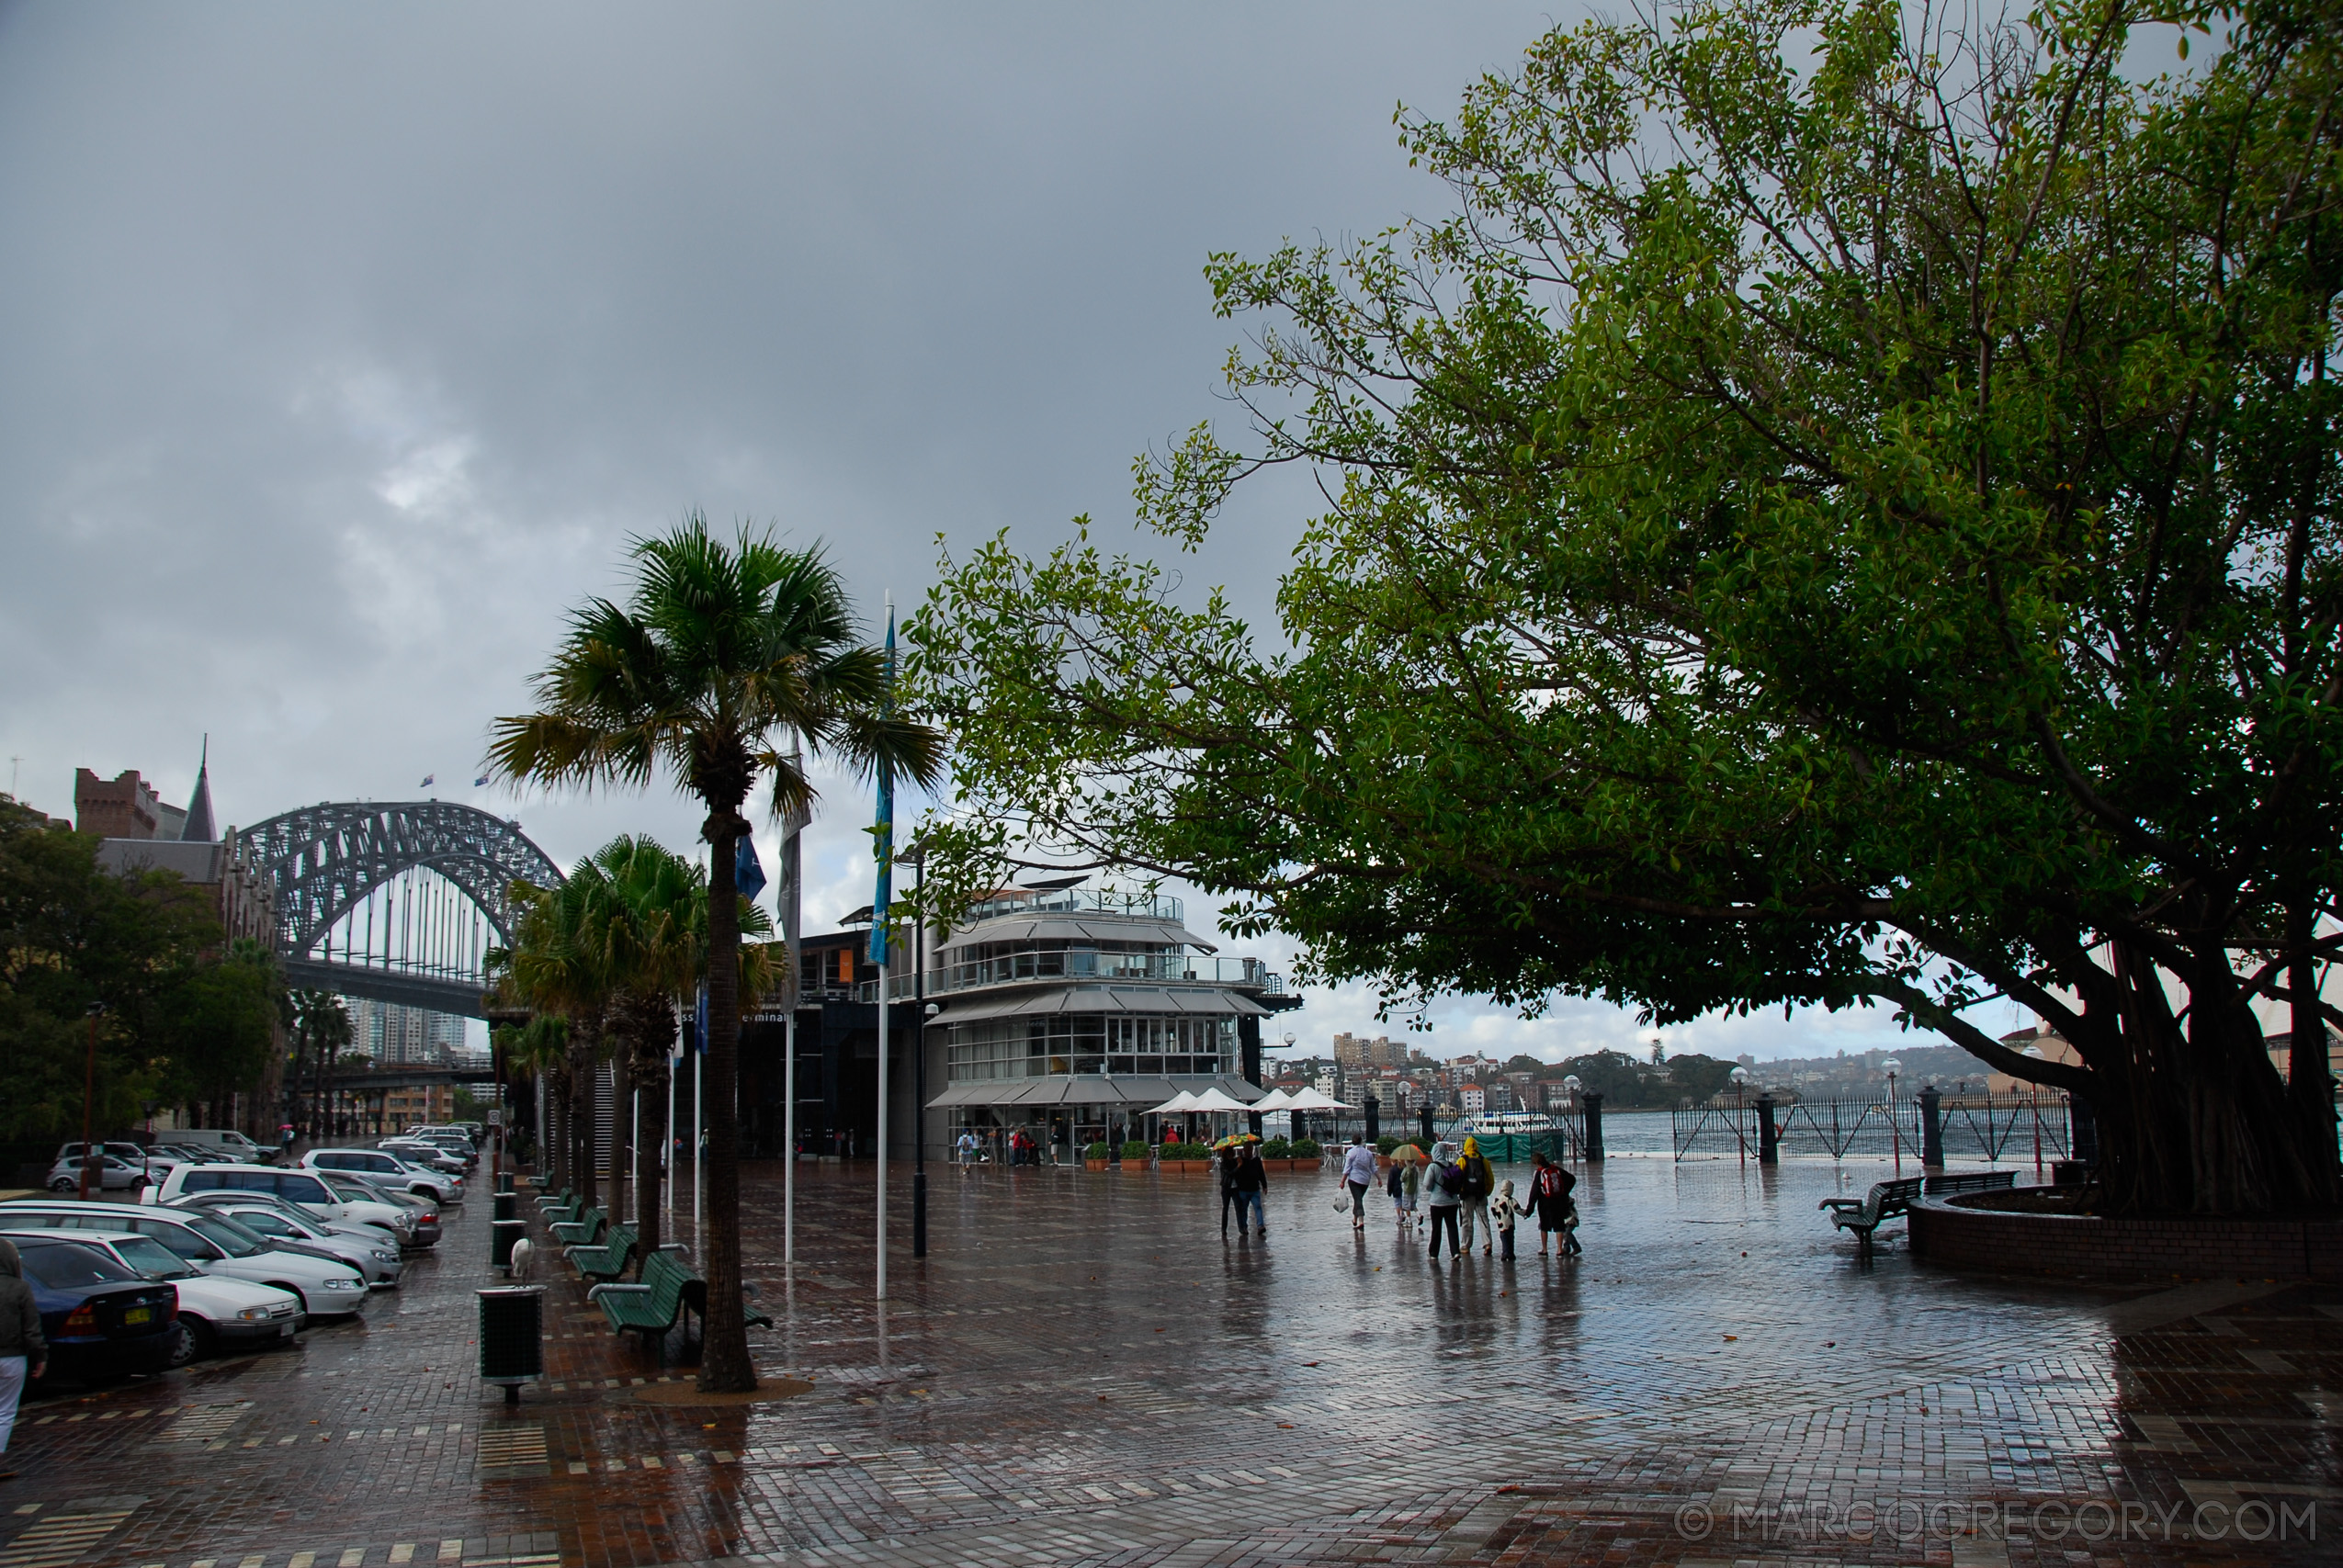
(1084, 1371)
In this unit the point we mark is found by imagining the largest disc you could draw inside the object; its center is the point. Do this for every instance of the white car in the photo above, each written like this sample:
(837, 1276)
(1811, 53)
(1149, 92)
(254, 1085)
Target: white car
(113, 1175)
(415, 1217)
(388, 1170)
(306, 1189)
(219, 1314)
(274, 1219)
(157, 1161)
(218, 1246)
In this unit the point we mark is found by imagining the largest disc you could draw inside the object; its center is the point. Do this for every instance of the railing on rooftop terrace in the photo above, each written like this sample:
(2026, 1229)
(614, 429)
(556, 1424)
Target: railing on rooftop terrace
(1078, 901)
(1082, 966)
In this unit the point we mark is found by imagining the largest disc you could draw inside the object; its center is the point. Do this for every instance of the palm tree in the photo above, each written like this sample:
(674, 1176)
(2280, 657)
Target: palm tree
(721, 653)
(554, 966)
(320, 1028)
(652, 941)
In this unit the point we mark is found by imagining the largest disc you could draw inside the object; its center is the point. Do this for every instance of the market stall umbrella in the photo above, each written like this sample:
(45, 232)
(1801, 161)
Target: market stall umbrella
(1218, 1099)
(1311, 1100)
(1185, 1100)
(1276, 1099)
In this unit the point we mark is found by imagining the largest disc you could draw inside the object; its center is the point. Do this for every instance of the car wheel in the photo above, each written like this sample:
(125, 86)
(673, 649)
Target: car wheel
(183, 1347)
(294, 1290)
(62, 1185)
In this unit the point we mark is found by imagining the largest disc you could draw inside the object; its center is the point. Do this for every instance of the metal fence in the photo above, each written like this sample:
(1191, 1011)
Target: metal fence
(1998, 1129)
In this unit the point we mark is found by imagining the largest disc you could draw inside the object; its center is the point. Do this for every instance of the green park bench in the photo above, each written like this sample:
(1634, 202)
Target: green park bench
(608, 1260)
(1886, 1201)
(1969, 1181)
(565, 1198)
(585, 1230)
(667, 1289)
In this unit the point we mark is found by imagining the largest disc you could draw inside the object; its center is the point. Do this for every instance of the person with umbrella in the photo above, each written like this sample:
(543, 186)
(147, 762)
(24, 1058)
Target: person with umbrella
(1251, 1184)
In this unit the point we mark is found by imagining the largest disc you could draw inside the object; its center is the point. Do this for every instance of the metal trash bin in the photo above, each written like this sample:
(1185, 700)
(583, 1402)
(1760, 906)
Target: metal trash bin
(2069, 1172)
(504, 1181)
(512, 1337)
(501, 1234)
(508, 1206)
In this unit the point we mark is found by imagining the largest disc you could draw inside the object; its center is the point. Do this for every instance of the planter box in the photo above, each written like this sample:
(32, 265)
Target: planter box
(1185, 1166)
(1090, 1163)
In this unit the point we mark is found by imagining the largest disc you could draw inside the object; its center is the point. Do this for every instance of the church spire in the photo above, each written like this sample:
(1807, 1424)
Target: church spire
(199, 828)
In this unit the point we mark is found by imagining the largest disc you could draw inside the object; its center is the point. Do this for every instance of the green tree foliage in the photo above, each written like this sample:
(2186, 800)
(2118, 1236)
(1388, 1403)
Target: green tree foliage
(723, 655)
(1838, 512)
(182, 1021)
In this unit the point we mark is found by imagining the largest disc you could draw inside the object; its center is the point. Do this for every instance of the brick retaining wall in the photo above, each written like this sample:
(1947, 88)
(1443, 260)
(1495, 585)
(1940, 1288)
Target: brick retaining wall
(2084, 1246)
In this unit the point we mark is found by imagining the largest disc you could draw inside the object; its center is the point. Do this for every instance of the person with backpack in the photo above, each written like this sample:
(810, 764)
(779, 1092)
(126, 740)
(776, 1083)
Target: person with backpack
(1444, 1195)
(1475, 1183)
(1557, 1210)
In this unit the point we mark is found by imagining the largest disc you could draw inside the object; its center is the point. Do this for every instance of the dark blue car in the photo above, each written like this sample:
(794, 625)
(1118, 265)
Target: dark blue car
(102, 1321)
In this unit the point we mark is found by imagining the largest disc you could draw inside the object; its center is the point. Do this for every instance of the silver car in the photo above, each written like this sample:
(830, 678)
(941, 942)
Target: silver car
(276, 1221)
(113, 1175)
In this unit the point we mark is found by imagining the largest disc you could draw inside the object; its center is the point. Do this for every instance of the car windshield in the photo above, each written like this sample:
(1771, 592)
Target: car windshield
(63, 1266)
(151, 1257)
(262, 1222)
(227, 1236)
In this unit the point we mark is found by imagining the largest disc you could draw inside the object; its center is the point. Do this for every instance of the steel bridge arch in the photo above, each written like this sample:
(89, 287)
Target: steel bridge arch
(323, 860)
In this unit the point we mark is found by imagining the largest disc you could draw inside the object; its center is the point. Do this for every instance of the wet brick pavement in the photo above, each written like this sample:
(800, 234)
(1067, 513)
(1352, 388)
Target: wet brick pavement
(1086, 1372)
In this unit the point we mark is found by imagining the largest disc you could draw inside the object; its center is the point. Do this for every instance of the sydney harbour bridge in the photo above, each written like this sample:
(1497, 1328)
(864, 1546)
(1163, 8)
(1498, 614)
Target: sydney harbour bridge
(398, 901)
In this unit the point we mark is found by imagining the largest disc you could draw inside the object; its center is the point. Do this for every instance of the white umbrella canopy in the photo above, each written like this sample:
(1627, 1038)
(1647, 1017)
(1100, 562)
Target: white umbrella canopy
(1311, 1100)
(1217, 1099)
(1276, 1099)
(1183, 1100)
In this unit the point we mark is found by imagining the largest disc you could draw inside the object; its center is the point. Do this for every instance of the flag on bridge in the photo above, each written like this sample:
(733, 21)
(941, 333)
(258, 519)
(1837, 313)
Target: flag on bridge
(426, 781)
(481, 783)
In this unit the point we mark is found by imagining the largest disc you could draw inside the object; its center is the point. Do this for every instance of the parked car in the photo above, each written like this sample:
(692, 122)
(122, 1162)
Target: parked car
(215, 1315)
(291, 1183)
(421, 1212)
(104, 1321)
(457, 1140)
(425, 1154)
(227, 1141)
(113, 1175)
(389, 1170)
(218, 1245)
(186, 1156)
(157, 1161)
(276, 1221)
(372, 1234)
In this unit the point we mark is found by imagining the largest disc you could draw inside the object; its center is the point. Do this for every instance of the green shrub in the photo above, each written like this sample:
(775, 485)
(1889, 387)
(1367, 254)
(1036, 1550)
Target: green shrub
(1135, 1149)
(1306, 1148)
(1097, 1150)
(1386, 1143)
(1276, 1148)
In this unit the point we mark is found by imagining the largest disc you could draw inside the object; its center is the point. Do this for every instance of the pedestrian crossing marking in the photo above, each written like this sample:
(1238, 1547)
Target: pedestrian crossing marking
(60, 1538)
(403, 1553)
(352, 1557)
(203, 1423)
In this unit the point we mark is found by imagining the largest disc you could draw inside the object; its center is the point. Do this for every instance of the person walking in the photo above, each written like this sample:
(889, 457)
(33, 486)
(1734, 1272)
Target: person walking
(1503, 1213)
(24, 1354)
(1476, 1182)
(1440, 1203)
(1358, 1174)
(1251, 1182)
(1227, 1163)
(1411, 1189)
(968, 1149)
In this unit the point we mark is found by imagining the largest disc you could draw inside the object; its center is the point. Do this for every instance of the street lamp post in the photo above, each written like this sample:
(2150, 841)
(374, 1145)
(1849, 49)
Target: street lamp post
(1740, 1084)
(916, 852)
(1570, 1086)
(1895, 1128)
(90, 1156)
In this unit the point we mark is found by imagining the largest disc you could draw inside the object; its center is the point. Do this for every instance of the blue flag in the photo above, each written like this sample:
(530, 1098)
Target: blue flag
(882, 836)
(748, 872)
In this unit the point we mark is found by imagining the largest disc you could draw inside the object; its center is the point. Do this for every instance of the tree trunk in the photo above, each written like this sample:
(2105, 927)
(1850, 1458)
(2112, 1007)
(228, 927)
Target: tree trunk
(582, 1098)
(651, 1082)
(724, 1366)
(2194, 1121)
(554, 1137)
(622, 1126)
(2310, 1085)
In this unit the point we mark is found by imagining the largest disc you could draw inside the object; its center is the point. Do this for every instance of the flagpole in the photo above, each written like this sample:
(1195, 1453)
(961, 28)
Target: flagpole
(883, 842)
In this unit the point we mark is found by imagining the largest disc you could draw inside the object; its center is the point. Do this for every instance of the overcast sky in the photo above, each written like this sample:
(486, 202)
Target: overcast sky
(344, 346)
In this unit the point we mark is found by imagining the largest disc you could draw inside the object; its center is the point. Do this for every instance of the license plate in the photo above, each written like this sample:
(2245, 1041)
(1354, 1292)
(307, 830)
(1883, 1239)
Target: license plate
(284, 1331)
(139, 1314)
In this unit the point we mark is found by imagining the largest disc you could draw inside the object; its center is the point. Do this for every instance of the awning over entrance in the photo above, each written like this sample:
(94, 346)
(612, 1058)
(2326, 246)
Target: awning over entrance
(1132, 1090)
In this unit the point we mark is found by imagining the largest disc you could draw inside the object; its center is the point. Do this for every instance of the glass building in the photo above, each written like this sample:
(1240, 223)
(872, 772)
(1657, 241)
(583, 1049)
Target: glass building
(1070, 1012)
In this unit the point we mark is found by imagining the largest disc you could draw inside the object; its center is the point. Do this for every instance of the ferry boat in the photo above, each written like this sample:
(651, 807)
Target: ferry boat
(1518, 1123)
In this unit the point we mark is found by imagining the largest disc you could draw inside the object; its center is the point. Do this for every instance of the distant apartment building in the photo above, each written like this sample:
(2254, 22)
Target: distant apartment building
(1473, 1099)
(394, 1035)
(1356, 1053)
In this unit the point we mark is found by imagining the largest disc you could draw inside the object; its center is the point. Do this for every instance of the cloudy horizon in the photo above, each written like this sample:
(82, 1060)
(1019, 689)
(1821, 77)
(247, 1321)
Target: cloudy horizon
(350, 346)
